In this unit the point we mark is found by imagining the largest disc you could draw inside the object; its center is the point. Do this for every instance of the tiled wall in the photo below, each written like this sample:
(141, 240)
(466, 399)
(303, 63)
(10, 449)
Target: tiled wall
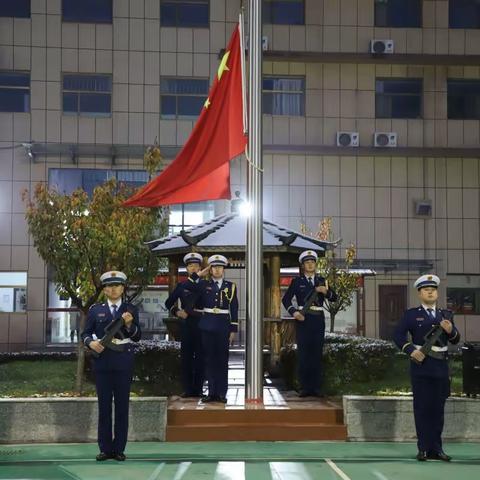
(369, 198)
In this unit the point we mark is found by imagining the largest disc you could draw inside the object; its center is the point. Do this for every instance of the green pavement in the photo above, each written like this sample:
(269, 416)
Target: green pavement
(239, 461)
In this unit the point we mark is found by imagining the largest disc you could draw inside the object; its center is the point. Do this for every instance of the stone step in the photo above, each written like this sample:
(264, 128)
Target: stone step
(255, 432)
(299, 416)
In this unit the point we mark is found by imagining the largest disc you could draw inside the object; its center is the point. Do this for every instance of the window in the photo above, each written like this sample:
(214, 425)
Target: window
(13, 292)
(463, 294)
(14, 92)
(463, 99)
(284, 96)
(66, 180)
(398, 13)
(284, 12)
(87, 94)
(93, 11)
(398, 98)
(182, 97)
(15, 8)
(184, 13)
(187, 215)
(464, 13)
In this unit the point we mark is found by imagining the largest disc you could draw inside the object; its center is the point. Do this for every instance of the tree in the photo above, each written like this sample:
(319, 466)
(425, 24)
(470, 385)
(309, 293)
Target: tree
(80, 238)
(339, 276)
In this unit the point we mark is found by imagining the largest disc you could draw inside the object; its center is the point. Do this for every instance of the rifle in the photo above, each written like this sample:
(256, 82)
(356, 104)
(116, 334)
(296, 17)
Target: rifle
(107, 340)
(311, 298)
(431, 338)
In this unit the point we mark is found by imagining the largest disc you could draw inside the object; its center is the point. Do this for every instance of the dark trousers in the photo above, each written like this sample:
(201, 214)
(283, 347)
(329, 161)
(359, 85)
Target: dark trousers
(113, 384)
(193, 368)
(216, 349)
(429, 396)
(310, 339)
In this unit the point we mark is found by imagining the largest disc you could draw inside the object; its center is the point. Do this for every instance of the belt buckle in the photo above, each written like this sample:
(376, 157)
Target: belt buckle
(216, 310)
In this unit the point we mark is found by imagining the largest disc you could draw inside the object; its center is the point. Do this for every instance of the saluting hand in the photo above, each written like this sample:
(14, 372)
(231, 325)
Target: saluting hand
(447, 326)
(204, 272)
(322, 288)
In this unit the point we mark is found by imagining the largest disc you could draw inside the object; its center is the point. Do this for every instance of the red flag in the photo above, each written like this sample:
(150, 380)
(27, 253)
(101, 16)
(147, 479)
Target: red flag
(201, 170)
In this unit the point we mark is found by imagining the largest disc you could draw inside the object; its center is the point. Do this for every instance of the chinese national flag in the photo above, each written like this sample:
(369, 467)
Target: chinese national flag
(201, 171)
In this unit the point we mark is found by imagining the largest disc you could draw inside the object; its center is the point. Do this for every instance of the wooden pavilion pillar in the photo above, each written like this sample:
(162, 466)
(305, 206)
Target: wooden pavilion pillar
(173, 265)
(275, 310)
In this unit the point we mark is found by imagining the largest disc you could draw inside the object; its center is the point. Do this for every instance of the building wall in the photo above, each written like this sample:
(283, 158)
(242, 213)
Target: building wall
(369, 197)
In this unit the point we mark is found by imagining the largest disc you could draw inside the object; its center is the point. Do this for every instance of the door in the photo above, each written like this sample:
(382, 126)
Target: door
(392, 304)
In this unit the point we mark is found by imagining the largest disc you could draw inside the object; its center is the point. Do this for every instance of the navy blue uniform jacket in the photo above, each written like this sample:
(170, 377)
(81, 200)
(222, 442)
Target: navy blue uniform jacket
(417, 322)
(300, 288)
(99, 316)
(211, 297)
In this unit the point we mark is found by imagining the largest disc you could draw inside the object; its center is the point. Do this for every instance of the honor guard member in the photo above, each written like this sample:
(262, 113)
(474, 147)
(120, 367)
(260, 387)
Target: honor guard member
(113, 368)
(218, 324)
(193, 370)
(429, 374)
(310, 325)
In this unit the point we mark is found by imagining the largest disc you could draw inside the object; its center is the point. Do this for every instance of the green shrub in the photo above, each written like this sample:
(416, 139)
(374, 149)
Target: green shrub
(346, 359)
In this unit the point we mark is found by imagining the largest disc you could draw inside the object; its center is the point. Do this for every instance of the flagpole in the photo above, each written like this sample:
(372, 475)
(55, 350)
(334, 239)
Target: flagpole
(254, 253)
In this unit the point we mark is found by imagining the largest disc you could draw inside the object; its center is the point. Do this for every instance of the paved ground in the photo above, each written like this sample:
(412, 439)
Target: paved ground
(239, 461)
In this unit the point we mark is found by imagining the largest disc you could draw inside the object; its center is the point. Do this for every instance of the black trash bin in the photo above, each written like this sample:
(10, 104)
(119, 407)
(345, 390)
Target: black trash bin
(471, 368)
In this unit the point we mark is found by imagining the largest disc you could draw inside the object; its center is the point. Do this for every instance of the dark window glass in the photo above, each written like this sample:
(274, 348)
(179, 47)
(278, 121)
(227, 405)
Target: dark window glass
(465, 301)
(463, 99)
(464, 13)
(398, 13)
(15, 8)
(66, 180)
(184, 13)
(284, 12)
(14, 92)
(92, 11)
(87, 94)
(284, 96)
(398, 98)
(182, 97)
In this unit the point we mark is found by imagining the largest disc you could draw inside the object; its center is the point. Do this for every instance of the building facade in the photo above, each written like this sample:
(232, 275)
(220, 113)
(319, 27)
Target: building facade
(371, 117)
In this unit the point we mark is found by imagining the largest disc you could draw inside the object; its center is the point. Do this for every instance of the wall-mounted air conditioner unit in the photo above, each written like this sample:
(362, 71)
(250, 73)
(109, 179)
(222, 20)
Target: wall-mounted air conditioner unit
(381, 47)
(385, 139)
(348, 139)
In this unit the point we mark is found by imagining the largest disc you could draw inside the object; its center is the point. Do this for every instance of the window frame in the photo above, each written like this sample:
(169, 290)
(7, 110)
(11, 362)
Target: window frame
(24, 88)
(16, 287)
(79, 93)
(177, 116)
(16, 3)
(179, 3)
(377, 24)
(463, 81)
(397, 79)
(451, 5)
(91, 19)
(271, 2)
(302, 92)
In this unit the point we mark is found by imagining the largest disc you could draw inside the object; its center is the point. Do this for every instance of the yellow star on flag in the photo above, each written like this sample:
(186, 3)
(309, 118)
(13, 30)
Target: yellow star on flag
(207, 103)
(223, 65)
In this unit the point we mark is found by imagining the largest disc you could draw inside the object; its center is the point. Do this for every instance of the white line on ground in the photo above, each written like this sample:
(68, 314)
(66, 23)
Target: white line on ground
(337, 470)
(156, 472)
(379, 475)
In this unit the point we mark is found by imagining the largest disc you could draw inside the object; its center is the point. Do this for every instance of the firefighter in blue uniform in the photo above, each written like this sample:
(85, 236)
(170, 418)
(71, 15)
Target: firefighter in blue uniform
(193, 370)
(218, 324)
(429, 374)
(113, 369)
(310, 325)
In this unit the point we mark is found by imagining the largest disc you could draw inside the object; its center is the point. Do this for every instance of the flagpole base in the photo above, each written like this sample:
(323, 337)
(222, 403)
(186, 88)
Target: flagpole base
(254, 403)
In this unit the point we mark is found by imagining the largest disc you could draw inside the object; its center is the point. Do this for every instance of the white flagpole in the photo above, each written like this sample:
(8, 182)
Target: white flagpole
(254, 250)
